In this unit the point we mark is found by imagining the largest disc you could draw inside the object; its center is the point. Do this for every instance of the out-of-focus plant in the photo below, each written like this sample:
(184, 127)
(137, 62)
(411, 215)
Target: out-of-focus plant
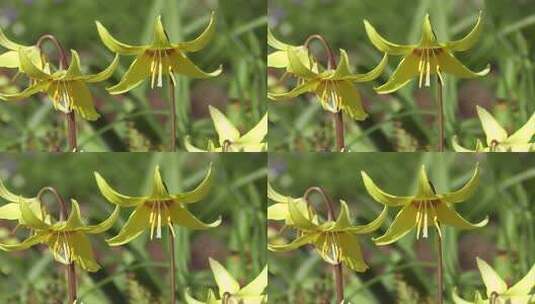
(230, 139)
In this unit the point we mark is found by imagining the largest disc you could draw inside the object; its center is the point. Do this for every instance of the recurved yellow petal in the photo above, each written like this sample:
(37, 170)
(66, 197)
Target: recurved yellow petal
(299, 220)
(182, 65)
(83, 100)
(161, 40)
(8, 43)
(256, 134)
(82, 253)
(115, 197)
(371, 75)
(74, 221)
(309, 86)
(276, 43)
(300, 241)
(224, 128)
(115, 45)
(524, 134)
(403, 223)
(469, 40)
(134, 76)
(406, 70)
(297, 66)
(74, 70)
(224, 280)
(351, 254)
(424, 188)
(182, 217)
(491, 127)
(448, 216)
(104, 225)
(35, 239)
(257, 286)
(381, 196)
(465, 192)
(104, 74)
(524, 286)
(30, 219)
(457, 299)
(137, 222)
(457, 147)
(200, 192)
(372, 226)
(491, 279)
(428, 35)
(384, 45)
(10, 60)
(343, 221)
(29, 68)
(159, 190)
(202, 40)
(351, 102)
(451, 65)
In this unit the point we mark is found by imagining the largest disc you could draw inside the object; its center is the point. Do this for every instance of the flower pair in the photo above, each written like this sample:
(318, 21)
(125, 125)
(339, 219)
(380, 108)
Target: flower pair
(334, 88)
(335, 241)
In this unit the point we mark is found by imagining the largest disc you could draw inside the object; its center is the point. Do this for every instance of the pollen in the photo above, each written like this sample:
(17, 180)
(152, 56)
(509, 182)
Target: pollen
(427, 65)
(330, 249)
(160, 64)
(426, 216)
(160, 216)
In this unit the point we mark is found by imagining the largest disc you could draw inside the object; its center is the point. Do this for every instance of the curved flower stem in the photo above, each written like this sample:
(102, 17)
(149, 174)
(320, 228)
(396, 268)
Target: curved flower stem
(440, 110)
(331, 64)
(440, 272)
(172, 109)
(69, 117)
(172, 265)
(337, 269)
(70, 269)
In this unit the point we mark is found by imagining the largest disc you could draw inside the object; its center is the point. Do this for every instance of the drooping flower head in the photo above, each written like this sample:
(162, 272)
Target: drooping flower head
(497, 289)
(158, 209)
(334, 241)
(333, 87)
(230, 291)
(160, 58)
(424, 209)
(426, 58)
(67, 240)
(497, 138)
(10, 59)
(67, 88)
(230, 139)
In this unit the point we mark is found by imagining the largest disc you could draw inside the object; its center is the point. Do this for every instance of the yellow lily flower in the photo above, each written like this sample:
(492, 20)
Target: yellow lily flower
(67, 88)
(158, 209)
(426, 58)
(498, 290)
(67, 239)
(11, 210)
(279, 58)
(497, 138)
(334, 241)
(230, 139)
(280, 210)
(159, 58)
(230, 291)
(425, 208)
(10, 59)
(334, 88)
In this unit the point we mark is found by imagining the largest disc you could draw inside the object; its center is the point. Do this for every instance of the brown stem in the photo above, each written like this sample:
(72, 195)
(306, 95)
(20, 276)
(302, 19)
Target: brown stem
(337, 269)
(70, 270)
(172, 109)
(172, 265)
(440, 272)
(62, 59)
(331, 64)
(440, 112)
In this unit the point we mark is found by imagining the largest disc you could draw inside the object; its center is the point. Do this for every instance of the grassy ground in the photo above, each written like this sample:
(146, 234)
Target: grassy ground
(137, 272)
(405, 120)
(137, 121)
(404, 271)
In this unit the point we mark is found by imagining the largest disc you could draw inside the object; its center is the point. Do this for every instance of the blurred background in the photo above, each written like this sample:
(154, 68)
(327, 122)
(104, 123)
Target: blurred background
(405, 120)
(137, 121)
(404, 272)
(138, 271)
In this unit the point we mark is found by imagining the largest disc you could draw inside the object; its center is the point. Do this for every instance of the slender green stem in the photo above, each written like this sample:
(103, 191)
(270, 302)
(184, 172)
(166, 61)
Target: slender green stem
(440, 271)
(339, 127)
(172, 109)
(172, 266)
(70, 116)
(440, 114)
(337, 269)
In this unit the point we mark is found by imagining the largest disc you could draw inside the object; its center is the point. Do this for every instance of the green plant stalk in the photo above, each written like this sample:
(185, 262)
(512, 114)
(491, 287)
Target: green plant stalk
(172, 109)
(440, 114)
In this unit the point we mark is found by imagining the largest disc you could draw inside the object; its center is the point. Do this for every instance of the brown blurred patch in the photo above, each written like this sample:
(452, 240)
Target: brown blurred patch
(206, 246)
(472, 93)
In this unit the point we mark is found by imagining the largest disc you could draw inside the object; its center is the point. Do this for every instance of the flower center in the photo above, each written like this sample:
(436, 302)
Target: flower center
(160, 210)
(160, 61)
(61, 248)
(428, 60)
(426, 209)
(329, 97)
(228, 298)
(62, 99)
(330, 249)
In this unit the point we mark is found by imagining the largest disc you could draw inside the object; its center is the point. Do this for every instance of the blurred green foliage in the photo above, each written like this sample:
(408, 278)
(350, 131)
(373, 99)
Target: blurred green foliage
(404, 272)
(137, 121)
(137, 272)
(404, 121)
